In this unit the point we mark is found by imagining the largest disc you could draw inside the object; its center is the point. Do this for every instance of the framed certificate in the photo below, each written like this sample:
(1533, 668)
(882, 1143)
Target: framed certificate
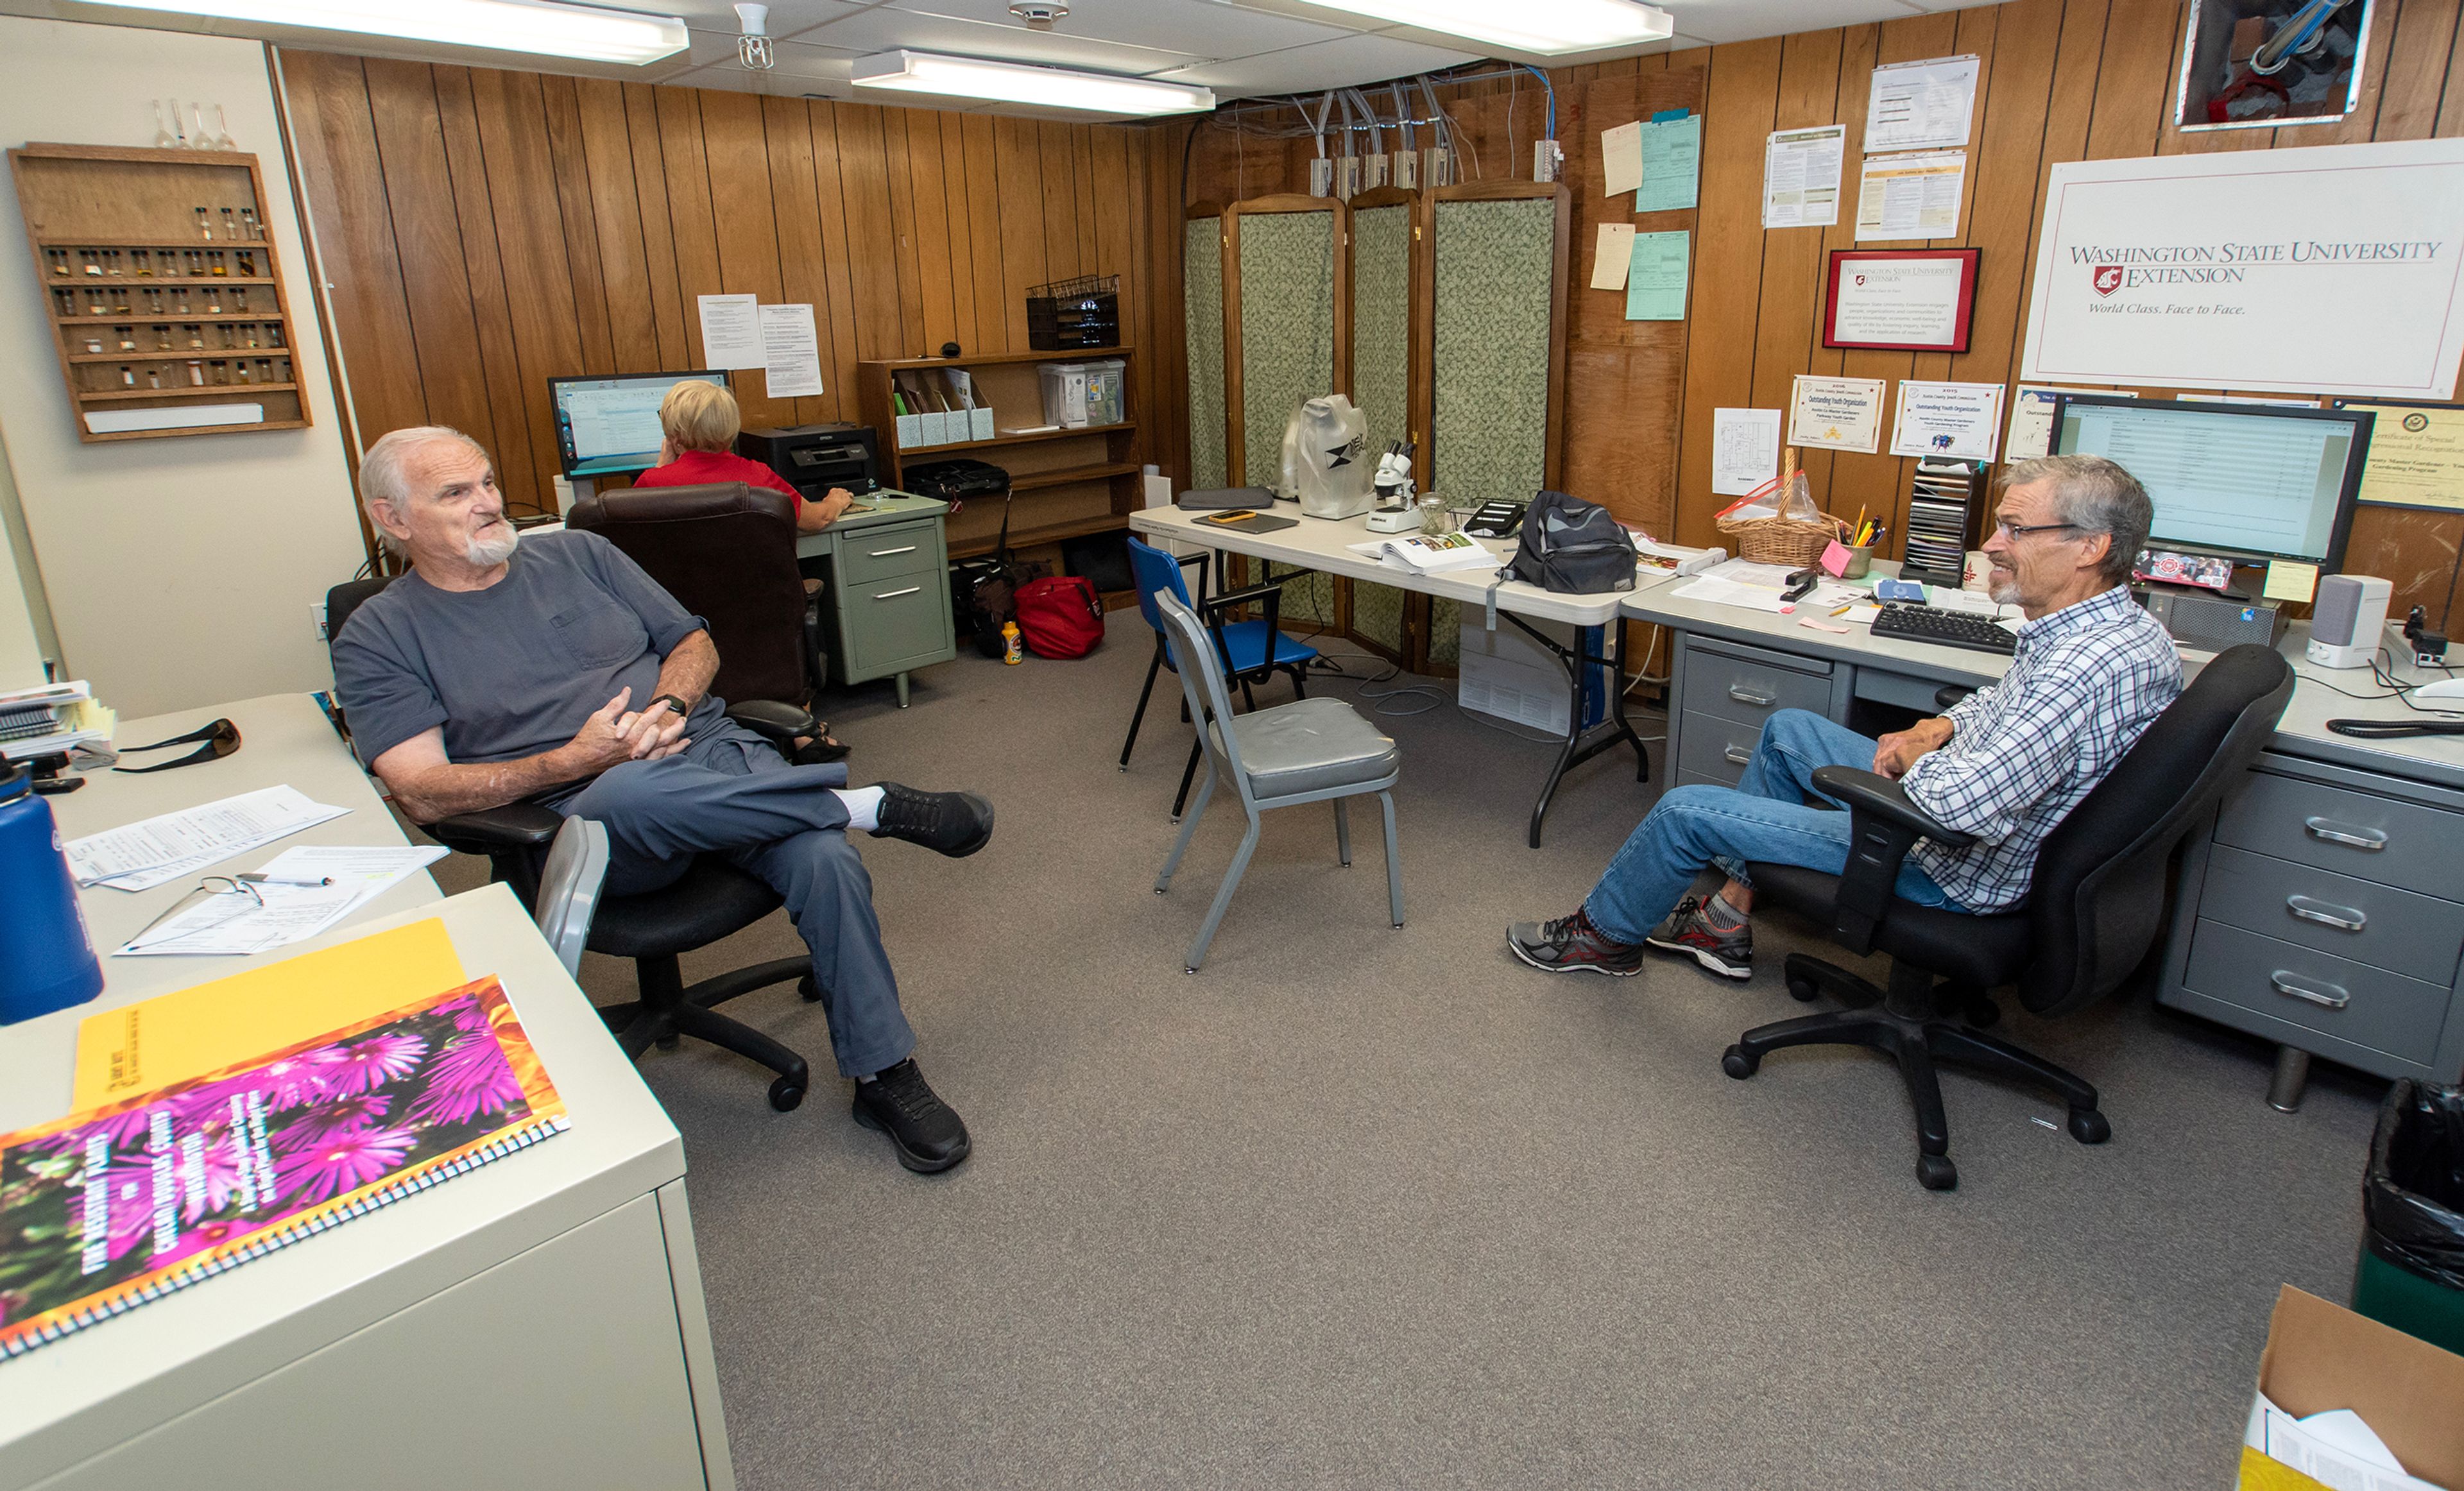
(1900, 300)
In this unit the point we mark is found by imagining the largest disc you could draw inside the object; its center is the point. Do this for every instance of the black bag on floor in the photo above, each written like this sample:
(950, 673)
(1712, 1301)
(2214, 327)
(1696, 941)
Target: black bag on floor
(2412, 1194)
(983, 591)
(1573, 547)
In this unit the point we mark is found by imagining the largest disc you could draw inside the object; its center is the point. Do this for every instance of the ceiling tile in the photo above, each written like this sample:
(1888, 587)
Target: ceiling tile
(886, 28)
(1339, 63)
(1190, 27)
(1742, 20)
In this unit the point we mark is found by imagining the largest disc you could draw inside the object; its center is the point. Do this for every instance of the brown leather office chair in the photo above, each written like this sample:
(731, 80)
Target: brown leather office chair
(727, 551)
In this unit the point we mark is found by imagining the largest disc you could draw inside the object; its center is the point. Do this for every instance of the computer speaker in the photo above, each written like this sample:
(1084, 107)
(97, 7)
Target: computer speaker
(2350, 616)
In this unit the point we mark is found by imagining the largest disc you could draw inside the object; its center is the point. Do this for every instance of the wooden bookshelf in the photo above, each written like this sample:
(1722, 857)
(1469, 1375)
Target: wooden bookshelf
(154, 303)
(1066, 483)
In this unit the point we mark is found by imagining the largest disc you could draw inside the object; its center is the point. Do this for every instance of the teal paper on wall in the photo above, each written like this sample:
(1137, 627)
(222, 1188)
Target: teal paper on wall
(1655, 282)
(1672, 165)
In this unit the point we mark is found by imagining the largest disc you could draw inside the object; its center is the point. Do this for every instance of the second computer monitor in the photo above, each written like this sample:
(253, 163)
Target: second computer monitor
(611, 423)
(2251, 482)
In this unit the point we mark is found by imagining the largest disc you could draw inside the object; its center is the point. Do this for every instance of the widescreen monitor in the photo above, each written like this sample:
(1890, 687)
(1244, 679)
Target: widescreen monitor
(2251, 482)
(605, 425)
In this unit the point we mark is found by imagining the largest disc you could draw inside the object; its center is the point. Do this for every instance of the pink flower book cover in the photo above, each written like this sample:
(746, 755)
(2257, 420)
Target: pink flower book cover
(109, 1209)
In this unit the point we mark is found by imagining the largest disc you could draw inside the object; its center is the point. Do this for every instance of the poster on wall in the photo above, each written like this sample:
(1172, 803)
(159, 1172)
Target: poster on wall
(2333, 269)
(1916, 299)
(2416, 456)
(1836, 413)
(1949, 422)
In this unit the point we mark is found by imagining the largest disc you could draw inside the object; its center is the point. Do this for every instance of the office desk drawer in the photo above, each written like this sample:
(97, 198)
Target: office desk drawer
(880, 552)
(1743, 689)
(895, 622)
(2415, 936)
(2352, 833)
(2333, 995)
(1715, 749)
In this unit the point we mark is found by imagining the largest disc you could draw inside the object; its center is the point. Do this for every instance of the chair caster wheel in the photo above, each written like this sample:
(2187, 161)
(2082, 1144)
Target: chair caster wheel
(787, 1094)
(1738, 1064)
(2088, 1126)
(1936, 1173)
(810, 990)
(1803, 989)
(670, 1042)
(1188, 970)
(1981, 1013)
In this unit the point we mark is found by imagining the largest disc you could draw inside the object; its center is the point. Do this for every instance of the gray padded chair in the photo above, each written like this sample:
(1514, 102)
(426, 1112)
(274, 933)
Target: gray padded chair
(568, 889)
(1307, 751)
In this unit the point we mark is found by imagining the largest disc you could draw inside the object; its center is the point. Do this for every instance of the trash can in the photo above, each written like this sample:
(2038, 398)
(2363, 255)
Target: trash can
(2411, 1270)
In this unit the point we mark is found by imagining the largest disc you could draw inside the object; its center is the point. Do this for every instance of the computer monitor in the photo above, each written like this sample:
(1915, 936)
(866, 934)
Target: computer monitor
(606, 425)
(2250, 482)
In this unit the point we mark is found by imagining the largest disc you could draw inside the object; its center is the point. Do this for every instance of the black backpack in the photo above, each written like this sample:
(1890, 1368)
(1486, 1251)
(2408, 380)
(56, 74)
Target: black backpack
(1573, 547)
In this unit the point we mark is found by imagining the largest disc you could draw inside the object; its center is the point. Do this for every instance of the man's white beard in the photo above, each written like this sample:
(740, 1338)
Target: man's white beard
(488, 553)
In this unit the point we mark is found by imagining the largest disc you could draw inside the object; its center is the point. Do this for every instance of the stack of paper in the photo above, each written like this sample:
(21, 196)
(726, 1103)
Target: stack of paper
(285, 905)
(50, 719)
(160, 850)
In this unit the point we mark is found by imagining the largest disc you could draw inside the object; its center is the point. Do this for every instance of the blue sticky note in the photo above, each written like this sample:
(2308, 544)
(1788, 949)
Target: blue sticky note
(1665, 115)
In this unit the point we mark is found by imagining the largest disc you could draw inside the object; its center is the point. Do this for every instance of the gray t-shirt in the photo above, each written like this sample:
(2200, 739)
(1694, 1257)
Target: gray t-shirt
(513, 669)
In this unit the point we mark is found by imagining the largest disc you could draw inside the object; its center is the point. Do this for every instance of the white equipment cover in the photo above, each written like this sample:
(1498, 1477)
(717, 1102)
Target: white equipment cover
(1326, 447)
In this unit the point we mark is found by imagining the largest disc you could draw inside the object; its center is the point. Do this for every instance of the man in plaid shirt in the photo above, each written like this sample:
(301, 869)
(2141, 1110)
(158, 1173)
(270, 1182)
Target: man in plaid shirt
(2006, 764)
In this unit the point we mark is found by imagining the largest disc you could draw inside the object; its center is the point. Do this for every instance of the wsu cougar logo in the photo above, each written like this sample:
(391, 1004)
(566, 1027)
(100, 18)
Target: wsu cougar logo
(2107, 278)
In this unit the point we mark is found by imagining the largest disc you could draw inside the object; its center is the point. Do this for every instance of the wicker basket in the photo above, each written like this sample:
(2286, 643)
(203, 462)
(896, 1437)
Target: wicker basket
(1796, 542)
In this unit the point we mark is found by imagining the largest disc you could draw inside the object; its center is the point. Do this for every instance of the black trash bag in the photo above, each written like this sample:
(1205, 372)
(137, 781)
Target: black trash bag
(2412, 1195)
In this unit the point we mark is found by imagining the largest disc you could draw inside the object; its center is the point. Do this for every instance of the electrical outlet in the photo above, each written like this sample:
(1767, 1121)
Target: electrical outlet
(1547, 160)
(1407, 169)
(1346, 177)
(1320, 177)
(316, 615)
(1372, 172)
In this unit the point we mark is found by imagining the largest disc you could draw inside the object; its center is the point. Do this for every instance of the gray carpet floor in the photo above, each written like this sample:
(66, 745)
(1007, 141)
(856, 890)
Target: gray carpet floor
(1367, 1208)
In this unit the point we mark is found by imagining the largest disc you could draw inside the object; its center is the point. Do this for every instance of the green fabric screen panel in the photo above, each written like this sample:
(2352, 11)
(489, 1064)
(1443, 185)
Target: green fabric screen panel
(1381, 374)
(1202, 328)
(1496, 266)
(1287, 310)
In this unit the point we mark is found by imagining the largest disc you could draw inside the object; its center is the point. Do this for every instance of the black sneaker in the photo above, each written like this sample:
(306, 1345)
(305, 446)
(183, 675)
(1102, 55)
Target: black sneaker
(1570, 945)
(954, 824)
(927, 1135)
(1688, 930)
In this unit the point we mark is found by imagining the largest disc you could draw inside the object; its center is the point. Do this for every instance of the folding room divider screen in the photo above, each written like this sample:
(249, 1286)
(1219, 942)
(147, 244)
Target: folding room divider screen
(1201, 310)
(1383, 224)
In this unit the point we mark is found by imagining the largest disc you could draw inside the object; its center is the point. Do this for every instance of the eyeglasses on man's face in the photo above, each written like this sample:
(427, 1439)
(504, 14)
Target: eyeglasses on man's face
(2010, 530)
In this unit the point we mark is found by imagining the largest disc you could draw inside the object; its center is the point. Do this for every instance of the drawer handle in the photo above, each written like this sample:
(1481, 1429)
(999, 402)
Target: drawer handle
(892, 595)
(1749, 696)
(2344, 918)
(1740, 757)
(883, 554)
(2328, 996)
(2369, 841)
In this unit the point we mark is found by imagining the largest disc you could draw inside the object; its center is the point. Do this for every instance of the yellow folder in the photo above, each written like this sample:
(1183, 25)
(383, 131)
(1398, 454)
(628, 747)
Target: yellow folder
(187, 1033)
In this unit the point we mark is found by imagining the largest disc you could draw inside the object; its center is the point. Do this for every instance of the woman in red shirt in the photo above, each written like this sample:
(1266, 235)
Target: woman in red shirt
(701, 423)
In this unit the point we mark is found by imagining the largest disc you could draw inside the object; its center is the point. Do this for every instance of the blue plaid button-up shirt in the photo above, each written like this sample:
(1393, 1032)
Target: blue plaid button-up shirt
(2086, 683)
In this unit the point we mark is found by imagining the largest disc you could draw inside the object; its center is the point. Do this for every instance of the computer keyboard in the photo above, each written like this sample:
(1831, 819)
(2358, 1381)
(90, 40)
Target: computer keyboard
(1943, 628)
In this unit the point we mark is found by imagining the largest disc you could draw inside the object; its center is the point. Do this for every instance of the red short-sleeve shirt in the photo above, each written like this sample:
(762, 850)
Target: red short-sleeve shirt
(695, 468)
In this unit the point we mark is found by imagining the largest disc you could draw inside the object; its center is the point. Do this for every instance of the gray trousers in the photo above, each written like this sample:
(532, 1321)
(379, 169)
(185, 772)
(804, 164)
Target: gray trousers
(731, 793)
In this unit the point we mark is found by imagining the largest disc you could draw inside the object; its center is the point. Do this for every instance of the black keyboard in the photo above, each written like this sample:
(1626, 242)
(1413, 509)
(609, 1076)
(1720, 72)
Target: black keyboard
(1943, 628)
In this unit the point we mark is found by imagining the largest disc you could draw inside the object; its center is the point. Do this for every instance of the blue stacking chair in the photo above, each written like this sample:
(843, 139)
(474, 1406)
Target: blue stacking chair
(1250, 656)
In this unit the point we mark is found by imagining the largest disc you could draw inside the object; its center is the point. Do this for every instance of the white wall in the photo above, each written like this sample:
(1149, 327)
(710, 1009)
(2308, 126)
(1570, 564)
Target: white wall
(21, 645)
(179, 572)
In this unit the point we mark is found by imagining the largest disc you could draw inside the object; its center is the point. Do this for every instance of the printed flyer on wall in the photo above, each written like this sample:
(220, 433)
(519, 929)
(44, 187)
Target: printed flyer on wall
(117, 1206)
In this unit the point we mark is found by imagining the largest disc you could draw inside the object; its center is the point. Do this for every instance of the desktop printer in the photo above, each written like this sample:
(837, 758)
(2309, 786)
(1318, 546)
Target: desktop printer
(814, 458)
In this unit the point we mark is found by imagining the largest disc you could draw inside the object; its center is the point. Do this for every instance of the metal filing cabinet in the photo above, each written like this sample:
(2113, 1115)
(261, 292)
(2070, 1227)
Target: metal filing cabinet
(889, 597)
(2321, 909)
(1724, 690)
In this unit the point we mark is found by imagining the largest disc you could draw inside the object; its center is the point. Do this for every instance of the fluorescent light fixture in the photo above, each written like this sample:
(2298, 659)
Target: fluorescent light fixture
(1015, 83)
(561, 30)
(1545, 28)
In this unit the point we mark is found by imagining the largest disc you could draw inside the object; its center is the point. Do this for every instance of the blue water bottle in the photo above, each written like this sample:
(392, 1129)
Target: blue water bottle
(47, 961)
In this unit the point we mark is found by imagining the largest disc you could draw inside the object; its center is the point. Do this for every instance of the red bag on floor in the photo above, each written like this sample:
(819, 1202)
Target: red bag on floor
(1060, 615)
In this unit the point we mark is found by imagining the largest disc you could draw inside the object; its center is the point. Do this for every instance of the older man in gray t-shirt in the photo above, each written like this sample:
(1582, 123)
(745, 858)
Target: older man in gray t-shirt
(557, 672)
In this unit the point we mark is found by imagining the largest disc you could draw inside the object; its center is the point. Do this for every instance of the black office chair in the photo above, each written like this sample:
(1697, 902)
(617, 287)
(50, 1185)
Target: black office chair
(2093, 909)
(714, 899)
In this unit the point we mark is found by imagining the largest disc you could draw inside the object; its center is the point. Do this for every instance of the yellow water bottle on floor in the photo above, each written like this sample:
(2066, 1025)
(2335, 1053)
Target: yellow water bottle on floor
(1013, 654)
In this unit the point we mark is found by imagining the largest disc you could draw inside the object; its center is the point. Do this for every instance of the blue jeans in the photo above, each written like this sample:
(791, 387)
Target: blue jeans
(1764, 817)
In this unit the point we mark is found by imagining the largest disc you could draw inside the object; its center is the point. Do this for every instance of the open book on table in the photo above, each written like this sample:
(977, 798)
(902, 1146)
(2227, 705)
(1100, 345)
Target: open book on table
(1427, 554)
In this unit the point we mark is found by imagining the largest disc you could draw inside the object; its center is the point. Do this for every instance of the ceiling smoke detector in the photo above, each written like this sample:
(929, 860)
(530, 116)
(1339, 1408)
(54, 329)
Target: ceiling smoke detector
(753, 47)
(1039, 13)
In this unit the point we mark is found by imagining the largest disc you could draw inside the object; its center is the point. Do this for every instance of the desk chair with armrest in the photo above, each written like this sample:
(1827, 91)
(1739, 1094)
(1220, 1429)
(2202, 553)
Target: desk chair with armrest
(712, 900)
(2095, 909)
(727, 551)
(1253, 650)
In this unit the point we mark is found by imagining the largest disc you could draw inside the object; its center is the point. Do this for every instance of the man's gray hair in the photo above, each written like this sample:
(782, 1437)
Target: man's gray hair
(383, 476)
(2094, 496)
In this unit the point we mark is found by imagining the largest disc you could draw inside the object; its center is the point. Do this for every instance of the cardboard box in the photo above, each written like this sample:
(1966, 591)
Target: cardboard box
(2322, 1356)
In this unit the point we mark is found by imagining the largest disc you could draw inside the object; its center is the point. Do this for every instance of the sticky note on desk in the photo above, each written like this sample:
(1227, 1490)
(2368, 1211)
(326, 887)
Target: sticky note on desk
(2288, 580)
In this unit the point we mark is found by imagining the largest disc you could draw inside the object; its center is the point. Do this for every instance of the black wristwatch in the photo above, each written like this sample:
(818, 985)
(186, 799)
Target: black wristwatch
(681, 708)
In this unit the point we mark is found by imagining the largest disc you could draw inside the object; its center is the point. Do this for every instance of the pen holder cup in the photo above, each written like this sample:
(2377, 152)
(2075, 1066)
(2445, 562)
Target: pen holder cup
(1859, 562)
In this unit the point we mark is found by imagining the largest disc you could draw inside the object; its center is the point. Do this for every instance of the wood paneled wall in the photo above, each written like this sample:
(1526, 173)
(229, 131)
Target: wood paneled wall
(2063, 80)
(484, 232)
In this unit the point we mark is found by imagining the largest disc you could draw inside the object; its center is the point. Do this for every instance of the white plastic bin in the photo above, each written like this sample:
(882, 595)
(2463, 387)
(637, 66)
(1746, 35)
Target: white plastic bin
(1105, 404)
(1065, 392)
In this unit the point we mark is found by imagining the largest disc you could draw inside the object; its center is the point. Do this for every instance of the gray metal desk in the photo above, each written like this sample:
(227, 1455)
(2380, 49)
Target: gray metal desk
(888, 591)
(2321, 907)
